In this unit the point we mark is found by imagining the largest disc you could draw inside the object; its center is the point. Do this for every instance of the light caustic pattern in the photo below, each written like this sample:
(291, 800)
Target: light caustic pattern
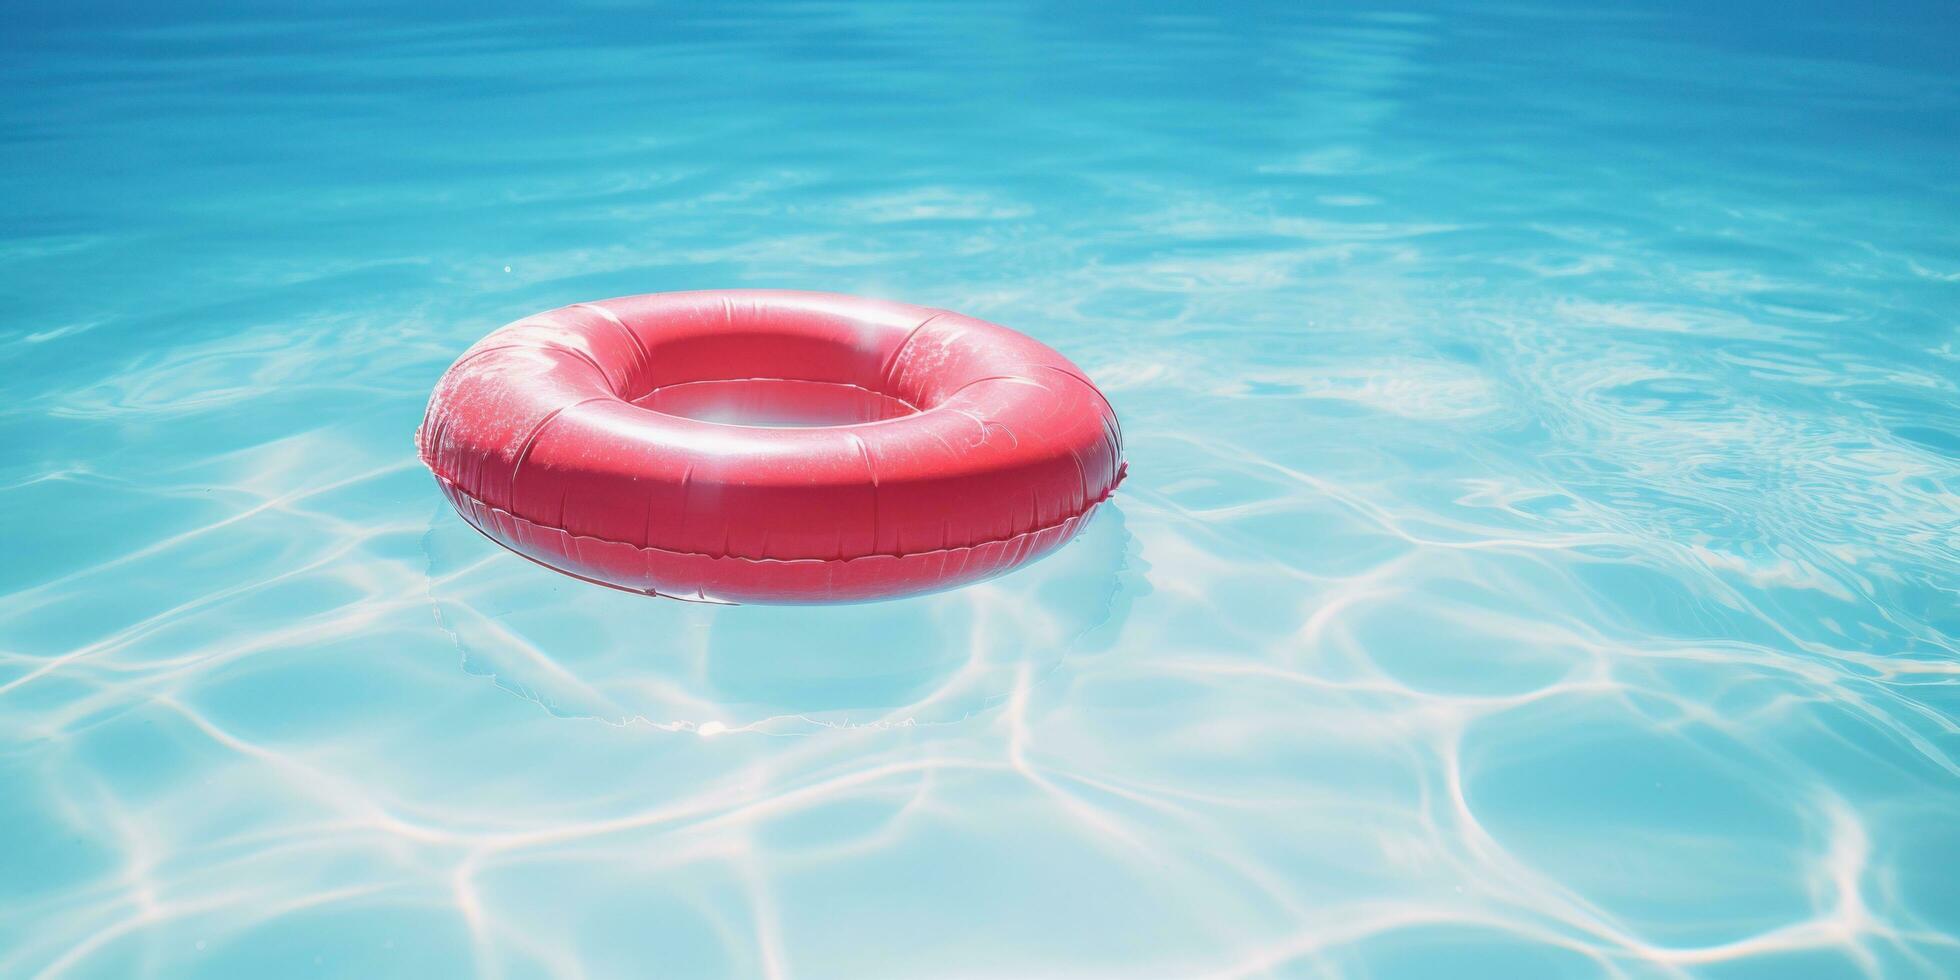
(1538, 556)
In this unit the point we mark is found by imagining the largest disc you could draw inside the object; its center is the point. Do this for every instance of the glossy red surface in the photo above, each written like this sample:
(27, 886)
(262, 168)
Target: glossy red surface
(769, 446)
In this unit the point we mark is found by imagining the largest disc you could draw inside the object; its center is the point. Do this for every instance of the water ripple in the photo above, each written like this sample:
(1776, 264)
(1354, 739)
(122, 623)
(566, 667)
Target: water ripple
(1537, 557)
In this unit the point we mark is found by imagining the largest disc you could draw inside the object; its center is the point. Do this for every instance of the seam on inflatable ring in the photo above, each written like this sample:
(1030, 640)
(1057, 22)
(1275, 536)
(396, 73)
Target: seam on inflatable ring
(965, 549)
(474, 353)
(646, 359)
(1114, 422)
(531, 441)
(1022, 379)
(885, 373)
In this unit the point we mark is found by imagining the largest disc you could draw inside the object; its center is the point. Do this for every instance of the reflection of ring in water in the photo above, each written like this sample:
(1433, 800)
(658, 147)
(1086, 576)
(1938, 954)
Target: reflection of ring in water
(598, 653)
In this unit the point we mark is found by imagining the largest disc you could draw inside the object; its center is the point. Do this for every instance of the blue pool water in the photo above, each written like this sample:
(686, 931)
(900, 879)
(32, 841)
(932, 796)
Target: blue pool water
(1540, 556)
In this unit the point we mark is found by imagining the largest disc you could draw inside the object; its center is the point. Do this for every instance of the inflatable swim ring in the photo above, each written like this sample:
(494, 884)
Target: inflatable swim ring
(767, 446)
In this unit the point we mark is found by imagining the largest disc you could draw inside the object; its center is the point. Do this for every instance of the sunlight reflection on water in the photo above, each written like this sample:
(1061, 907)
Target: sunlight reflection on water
(1537, 556)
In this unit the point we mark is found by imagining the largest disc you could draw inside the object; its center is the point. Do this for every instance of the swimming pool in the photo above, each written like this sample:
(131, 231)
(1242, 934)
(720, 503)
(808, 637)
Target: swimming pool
(1538, 555)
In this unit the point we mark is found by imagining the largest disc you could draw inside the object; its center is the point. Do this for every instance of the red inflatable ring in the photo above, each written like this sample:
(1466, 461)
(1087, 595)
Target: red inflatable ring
(766, 446)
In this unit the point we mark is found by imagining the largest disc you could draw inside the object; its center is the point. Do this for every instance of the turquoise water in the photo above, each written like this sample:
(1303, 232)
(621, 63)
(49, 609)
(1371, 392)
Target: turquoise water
(1539, 555)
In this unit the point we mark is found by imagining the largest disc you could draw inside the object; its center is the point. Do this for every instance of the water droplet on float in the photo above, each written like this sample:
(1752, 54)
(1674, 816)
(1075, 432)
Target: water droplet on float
(506, 268)
(200, 945)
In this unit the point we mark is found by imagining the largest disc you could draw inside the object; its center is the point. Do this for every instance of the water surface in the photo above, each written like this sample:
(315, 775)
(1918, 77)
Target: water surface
(1538, 556)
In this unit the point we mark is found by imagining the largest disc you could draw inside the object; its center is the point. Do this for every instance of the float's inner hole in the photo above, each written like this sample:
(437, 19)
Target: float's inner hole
(775, 402)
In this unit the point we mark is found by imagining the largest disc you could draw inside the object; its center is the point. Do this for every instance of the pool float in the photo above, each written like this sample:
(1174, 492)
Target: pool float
(770, 446)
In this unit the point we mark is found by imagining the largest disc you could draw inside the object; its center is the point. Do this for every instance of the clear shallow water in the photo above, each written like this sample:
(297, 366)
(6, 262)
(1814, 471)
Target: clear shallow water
(1539, 555)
